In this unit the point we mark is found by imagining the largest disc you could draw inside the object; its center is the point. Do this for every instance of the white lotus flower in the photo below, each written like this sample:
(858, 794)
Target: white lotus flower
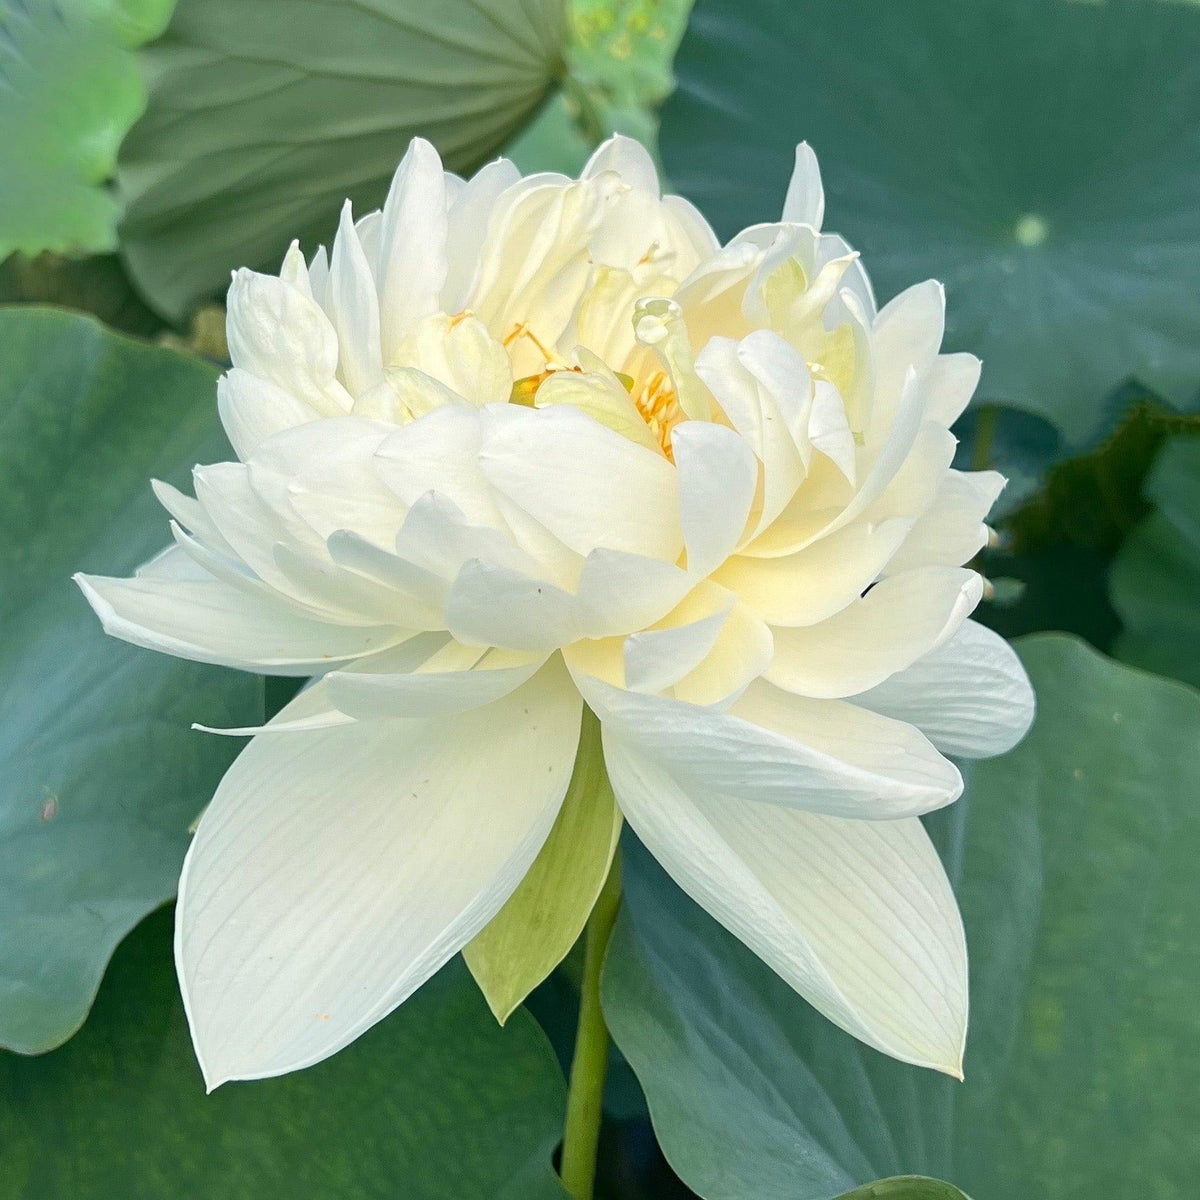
(526, 445)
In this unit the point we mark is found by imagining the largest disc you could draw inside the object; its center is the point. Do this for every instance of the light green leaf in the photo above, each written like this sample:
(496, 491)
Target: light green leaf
(435, 1103)
(1155, 580)
(1074, 862)
(69, 90)
(264, 117)
(1036, 155)
(905, 1187)
(101, 771)
(544, 917)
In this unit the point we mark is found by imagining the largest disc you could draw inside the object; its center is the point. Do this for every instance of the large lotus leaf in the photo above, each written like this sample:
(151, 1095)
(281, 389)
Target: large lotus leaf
(102, 774)
(436, 1103)
(1074, 862)
(1038, 156)
(264, 117)
(1155, 580)
(69, 90)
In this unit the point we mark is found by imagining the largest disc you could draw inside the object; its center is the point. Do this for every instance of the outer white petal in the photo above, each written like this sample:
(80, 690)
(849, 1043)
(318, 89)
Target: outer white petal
(453, 679)
(805, 200)
(335, 871)
(774, 748)
(216, 622)
(588, 485)
(900, 619)
(970, 697)
(857, 916)
(718, 476)
(253, 410)
(412, 243)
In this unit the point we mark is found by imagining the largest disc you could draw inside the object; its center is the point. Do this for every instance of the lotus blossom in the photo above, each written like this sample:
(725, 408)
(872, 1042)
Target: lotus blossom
(525, 452)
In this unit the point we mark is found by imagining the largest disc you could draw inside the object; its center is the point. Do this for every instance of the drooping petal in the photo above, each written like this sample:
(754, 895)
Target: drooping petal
(215, 622)
(335, 871)
(857, 916)
(900, 619)
(970, 697)
(773, 748)
(452, 679)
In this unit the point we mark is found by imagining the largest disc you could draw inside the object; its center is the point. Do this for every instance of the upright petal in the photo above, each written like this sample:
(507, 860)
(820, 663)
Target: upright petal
(805, 200)
(336, 870)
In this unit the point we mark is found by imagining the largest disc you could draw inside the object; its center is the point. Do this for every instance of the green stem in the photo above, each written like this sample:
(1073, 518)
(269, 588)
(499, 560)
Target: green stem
(985, 433)
(590, 1064)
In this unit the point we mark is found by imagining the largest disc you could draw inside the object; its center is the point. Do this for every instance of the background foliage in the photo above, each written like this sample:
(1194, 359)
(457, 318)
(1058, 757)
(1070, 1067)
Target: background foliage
(1040, 156)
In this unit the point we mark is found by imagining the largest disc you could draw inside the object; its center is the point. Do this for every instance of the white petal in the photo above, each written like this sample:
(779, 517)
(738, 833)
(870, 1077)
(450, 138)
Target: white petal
(906, 336)
(453, 679)
(950, 382)
(951, 531)
(253, 410)
(755, 412)
(335, 871)
(970, 697)
(281, 335)
(739, 655)
(412, 243)
(489, 605)
(857, 916)
(354, 309)
(215, 622)
(440, 453)
(467, 225)
(805, 201)
(815, 583)
(771, 747)
(587, 485)
(622, 593)
(657, 658)
(628, 158)
(900, 619)
(718, 476)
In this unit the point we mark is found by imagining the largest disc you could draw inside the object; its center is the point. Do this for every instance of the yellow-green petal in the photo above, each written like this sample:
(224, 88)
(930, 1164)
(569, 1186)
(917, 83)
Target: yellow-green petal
(544, 917)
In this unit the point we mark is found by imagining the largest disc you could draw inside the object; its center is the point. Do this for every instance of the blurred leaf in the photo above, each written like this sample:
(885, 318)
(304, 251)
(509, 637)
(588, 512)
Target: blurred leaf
(102, 773)
(1060, 539)
(1155, 580)
(1074, 861)
(544, 917)
(69, 90)
(263, 118)
(1037, 156)
(97, 285)
(436, 1103)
